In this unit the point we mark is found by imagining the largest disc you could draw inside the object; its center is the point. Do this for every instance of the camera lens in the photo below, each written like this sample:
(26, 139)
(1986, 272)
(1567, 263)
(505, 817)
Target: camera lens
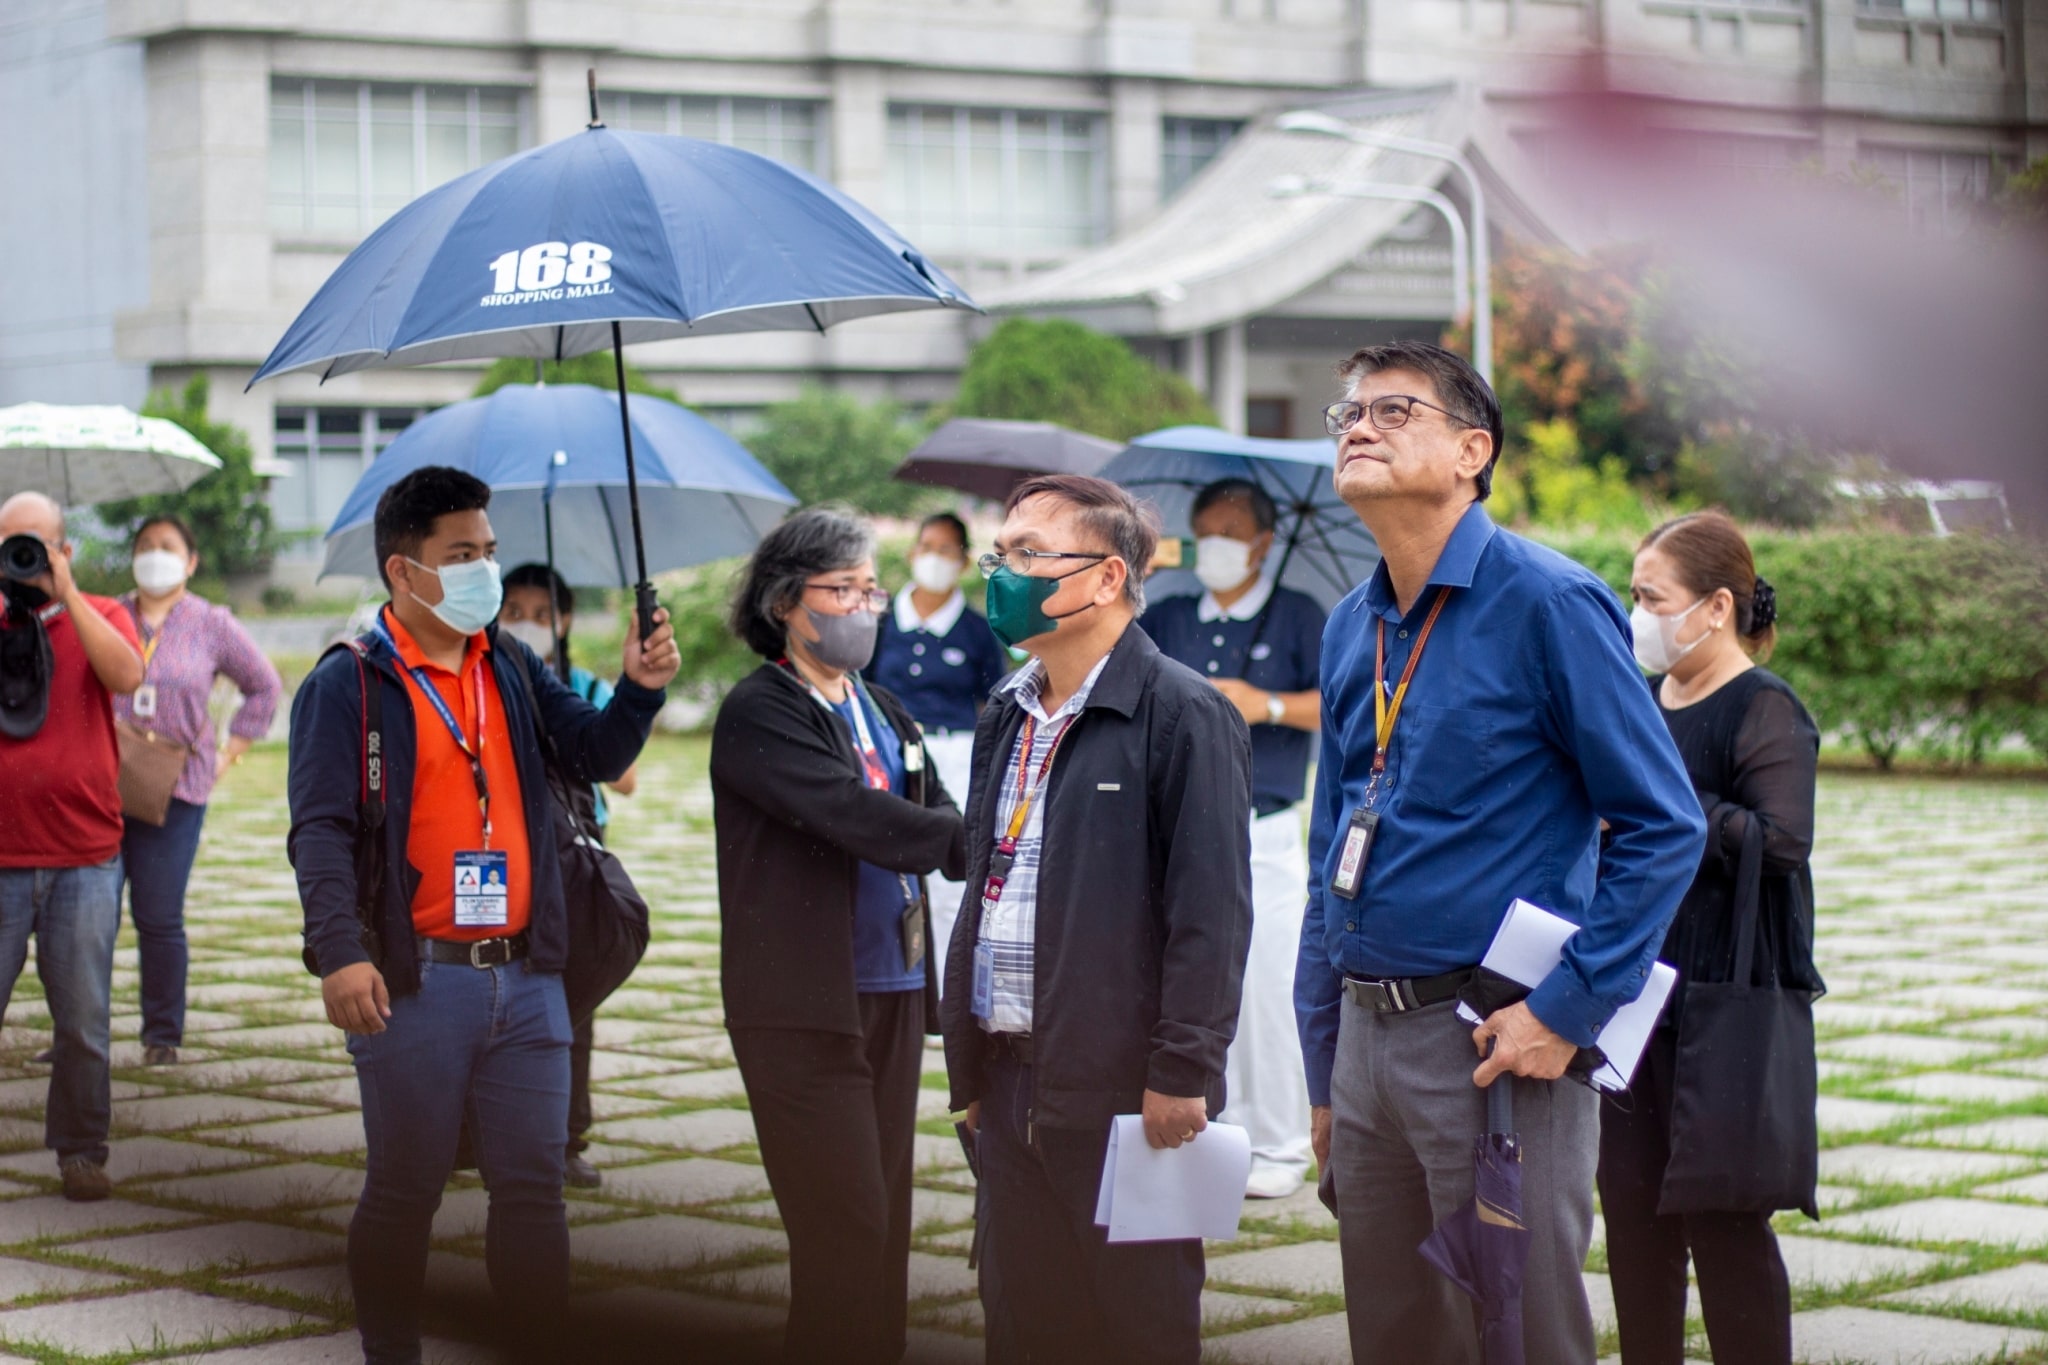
(24, 557)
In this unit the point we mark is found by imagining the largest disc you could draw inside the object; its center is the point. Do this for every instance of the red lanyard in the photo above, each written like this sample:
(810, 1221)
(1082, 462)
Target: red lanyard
(1025, 798)
(1386, 712)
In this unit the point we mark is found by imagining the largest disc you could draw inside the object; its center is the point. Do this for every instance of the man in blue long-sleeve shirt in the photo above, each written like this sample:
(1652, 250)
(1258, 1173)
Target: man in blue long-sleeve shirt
(1510, 721)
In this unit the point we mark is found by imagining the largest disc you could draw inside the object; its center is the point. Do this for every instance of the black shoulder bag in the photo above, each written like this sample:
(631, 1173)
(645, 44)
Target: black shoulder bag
(1744, 1134)
(608, 922)
(369, 844)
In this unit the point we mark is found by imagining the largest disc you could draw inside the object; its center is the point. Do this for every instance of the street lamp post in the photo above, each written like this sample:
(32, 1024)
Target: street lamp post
(1314, 121)
(1295, 186)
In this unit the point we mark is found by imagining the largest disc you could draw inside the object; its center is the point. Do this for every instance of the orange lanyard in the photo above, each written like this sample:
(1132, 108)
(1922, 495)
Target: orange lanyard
(1386, 712)
(1025, 799)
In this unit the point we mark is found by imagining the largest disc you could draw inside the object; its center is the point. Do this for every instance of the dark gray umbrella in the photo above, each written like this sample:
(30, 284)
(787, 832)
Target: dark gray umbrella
(987, 457)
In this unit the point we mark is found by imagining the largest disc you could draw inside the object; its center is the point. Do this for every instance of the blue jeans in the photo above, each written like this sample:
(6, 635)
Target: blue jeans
(158, 862)
(492, 1044)
(74, 913)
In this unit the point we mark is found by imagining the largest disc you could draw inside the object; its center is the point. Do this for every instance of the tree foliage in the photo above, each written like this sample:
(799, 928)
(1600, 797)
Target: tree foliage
(1060, 371)
(227, 510)
(828, 446)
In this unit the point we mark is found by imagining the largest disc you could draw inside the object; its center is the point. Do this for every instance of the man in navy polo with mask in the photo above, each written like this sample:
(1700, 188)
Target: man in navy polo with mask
(450, 985)
(1260, 645)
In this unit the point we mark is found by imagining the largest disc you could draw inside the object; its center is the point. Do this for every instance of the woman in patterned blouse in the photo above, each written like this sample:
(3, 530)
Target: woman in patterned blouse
(187, 642)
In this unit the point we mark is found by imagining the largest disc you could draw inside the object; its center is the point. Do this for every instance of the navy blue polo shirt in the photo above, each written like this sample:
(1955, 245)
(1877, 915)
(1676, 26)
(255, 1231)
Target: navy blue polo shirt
(1284, 656)
(878, 904)
(940, 675)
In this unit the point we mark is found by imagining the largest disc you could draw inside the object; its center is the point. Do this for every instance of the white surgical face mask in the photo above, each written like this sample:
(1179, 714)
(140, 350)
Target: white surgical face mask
(934, 573)
(533, 635)
(1222, 563)
(159, 571)
(471, 594)
(1657, 647)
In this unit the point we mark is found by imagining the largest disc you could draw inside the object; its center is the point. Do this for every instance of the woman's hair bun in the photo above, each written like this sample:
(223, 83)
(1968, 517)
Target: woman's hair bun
(1763, 607)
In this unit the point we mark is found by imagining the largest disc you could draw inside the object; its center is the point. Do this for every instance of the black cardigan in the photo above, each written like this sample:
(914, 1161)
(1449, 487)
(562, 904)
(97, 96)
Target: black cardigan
(795, 819)
(1144, 909)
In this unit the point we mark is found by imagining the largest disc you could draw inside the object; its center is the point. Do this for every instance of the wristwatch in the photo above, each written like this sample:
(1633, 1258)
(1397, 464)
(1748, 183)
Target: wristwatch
(1276, 709)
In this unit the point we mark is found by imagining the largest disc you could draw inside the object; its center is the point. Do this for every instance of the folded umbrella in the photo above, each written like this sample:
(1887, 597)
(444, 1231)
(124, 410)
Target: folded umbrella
(91, 454)
(987, 456)
(1321, 547)
(1483, 1248)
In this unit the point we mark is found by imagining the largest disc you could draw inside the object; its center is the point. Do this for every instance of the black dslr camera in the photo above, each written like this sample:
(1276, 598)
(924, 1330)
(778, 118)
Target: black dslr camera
(24, 558)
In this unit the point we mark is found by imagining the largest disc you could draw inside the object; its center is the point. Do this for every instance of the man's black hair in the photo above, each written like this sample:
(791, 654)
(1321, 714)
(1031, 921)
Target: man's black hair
(1469, 397)
(1264, 514)
(407, 511)
(561, 597)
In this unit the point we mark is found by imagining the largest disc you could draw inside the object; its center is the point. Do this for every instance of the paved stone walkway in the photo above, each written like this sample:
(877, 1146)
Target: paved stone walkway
(237, 1169)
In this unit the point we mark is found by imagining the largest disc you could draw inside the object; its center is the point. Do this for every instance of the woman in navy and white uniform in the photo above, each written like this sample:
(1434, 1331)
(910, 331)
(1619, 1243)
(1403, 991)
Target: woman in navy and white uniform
(941, 660)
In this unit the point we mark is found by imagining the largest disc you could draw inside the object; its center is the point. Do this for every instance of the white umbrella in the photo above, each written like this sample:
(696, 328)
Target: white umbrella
(82, 455)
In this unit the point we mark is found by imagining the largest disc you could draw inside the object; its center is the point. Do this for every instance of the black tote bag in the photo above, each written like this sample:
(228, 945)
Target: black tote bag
(1744, 1137)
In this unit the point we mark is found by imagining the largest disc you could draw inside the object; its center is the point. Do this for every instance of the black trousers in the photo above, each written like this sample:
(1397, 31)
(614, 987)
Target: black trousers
(580, 1044)
(1068, 1294)
(1744, 1294)
(837, 1119)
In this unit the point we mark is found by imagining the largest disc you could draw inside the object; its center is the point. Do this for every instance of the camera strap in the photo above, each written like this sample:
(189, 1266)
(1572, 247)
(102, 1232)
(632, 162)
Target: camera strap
(370, 856)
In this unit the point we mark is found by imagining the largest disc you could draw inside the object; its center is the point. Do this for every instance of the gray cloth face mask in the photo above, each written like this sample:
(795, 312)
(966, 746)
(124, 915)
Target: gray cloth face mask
(844, 642)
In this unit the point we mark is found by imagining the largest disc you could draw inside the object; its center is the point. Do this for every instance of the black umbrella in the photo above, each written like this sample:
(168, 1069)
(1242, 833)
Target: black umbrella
(1484, 1246)
(988, 457)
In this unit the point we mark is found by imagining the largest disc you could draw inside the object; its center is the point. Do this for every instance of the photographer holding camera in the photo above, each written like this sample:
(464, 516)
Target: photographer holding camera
(63, 656)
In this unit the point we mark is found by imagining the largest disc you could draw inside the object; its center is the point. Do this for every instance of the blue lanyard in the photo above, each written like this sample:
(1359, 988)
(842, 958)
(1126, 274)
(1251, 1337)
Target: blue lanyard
(440, 705)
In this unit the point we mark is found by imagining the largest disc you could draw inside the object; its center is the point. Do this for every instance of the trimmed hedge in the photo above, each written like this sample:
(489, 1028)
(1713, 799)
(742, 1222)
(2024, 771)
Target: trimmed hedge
(1898, 640)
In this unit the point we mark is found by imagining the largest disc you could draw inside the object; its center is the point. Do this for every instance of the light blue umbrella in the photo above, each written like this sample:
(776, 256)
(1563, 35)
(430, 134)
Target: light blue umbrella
(1321, 547)
(600, 239)
(551, 455)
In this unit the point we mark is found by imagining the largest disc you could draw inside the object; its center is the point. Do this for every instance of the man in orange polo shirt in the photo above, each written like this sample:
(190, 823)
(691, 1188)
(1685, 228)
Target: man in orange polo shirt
(450, 987)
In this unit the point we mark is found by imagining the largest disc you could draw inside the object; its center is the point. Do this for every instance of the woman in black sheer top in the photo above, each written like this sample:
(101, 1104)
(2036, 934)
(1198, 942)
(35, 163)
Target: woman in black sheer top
(1701, 621)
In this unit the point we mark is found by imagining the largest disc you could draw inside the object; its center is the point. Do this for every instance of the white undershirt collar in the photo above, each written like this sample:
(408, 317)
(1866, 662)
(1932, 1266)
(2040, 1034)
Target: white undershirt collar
(940, 622)
(1243, 609)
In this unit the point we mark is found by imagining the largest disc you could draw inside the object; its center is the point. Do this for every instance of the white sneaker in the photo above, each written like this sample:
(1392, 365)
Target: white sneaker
(1272, 1182)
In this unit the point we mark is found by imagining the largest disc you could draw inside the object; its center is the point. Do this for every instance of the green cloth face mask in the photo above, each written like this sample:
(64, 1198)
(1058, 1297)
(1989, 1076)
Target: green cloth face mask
(1016, 604)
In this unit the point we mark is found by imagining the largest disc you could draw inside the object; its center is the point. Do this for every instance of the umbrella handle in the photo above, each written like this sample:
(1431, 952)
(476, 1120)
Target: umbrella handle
(645, 600)
(1500, 1104)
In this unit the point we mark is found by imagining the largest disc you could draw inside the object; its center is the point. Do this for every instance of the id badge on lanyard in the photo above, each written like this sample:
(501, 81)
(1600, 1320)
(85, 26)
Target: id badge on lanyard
(143, 701)
(1356, 849)
(483, 890)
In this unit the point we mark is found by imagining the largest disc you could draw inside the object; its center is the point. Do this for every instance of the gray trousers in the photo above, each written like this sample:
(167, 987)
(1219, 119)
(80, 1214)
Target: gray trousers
(1405, 1114)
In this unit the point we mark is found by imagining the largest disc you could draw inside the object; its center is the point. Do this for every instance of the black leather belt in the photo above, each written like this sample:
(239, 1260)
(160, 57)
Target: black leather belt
(1398, 995)
(485, 952)
(1015, 1046)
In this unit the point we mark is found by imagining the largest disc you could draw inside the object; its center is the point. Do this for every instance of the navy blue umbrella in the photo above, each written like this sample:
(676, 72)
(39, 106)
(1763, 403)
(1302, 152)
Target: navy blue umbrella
(1324, 549)
(1484, 1246)
(598, 240)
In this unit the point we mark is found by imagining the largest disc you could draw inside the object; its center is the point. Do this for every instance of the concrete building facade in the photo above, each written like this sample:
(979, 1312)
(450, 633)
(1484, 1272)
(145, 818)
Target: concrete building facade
(197, 167)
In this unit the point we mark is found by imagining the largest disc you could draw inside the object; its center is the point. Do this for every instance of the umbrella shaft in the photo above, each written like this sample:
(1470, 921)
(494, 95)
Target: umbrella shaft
(643, 591)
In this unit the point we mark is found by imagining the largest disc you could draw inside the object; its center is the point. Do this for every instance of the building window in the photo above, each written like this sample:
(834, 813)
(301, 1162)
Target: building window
(1747, 154)
(1942, 190)
(1269, 417)
(326, 451)
(996, 182)
(1187, 145)
(346, 155)
(788, 130)
(1984, 11)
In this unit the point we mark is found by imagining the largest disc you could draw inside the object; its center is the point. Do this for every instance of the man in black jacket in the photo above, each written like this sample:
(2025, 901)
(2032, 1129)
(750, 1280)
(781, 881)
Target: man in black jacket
(1097, 971)
(451, 993)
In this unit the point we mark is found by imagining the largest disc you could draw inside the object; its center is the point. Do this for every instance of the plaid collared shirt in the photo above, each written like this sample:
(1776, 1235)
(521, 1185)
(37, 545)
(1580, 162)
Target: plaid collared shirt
(1010, 925)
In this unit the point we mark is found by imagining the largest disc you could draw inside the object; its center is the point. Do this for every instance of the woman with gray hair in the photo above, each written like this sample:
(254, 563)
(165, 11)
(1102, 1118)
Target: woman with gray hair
(828, 817)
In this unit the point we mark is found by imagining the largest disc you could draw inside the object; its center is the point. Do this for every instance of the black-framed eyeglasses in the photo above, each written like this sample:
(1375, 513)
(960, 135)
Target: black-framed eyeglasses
(1020, 561)
(1389, 412)
(848, 596)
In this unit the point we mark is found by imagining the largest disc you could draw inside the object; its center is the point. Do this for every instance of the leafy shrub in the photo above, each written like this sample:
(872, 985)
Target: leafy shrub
(1895, 640)
(227, 511)
(831, 447)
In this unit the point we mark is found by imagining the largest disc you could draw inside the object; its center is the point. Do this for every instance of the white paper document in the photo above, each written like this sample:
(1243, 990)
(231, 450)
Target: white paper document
(1165, 1194)
(1528, 946)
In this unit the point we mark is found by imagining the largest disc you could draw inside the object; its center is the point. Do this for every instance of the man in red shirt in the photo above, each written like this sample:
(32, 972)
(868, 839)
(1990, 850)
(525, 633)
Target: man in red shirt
(60, 837)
